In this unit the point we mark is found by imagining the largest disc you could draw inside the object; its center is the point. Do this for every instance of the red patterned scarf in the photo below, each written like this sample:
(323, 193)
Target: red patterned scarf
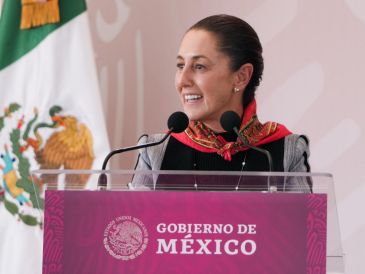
(201, 138)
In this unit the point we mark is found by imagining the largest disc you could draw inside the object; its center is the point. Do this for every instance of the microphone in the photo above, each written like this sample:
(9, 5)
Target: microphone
(177, 122)
(230, 121)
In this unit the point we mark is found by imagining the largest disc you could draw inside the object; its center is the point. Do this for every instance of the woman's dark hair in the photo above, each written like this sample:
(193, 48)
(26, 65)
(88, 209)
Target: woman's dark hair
(239, 41)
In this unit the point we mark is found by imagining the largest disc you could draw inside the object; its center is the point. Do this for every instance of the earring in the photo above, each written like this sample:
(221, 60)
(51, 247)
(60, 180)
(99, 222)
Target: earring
(235, 90)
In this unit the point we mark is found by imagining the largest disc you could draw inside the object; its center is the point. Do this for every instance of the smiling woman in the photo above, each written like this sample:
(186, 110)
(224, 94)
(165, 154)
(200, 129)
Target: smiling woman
(219, 67)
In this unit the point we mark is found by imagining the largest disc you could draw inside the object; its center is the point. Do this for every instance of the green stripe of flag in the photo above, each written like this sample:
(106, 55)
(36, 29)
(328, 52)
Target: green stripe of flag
(14, 42)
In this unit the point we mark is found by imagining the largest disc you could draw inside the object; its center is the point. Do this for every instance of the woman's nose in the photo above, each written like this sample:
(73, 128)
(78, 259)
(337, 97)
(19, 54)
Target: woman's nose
(183, 78)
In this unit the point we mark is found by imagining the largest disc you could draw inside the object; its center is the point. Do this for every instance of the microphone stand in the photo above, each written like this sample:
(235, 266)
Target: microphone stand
(102, 181)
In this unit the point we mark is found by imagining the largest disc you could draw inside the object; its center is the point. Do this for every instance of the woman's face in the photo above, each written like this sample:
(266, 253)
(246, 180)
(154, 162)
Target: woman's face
(204, 80)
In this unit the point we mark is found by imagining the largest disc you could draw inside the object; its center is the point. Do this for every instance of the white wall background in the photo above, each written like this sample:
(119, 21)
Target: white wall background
(313, 81)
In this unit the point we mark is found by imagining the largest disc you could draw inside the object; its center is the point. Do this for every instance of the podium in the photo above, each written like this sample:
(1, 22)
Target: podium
(189, 222)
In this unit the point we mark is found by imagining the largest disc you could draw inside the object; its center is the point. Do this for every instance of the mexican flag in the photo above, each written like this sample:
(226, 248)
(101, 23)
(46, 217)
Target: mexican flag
(50, 116)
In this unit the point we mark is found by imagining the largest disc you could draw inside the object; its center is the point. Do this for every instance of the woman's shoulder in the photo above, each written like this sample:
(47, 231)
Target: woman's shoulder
(151, 156)
(296, 153)
(298, 141)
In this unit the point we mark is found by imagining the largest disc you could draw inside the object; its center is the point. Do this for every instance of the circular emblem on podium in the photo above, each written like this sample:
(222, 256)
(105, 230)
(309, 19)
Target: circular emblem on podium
(125, 238)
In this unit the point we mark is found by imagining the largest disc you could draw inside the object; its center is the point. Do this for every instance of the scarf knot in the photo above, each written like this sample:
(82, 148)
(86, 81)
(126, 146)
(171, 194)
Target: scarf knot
(225, 148)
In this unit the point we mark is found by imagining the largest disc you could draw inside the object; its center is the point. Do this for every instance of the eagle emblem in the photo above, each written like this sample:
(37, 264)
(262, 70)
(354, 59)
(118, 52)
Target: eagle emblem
(69, 145)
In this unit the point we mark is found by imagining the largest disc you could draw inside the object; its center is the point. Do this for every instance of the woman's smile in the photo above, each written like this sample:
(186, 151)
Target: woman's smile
(192, 98)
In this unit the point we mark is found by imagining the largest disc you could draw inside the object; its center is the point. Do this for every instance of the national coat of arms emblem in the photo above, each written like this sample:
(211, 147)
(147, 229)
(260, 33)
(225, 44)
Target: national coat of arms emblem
(23, 147)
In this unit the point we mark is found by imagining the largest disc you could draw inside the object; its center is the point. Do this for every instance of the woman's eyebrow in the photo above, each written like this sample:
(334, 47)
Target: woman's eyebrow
(195, 57)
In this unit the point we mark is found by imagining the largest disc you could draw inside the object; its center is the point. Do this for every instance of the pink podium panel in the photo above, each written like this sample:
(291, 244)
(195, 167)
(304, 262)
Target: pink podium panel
(184, 232)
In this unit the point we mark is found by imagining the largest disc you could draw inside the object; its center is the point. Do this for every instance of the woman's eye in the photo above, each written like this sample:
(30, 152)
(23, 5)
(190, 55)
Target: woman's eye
(180, 66)
(199, 67)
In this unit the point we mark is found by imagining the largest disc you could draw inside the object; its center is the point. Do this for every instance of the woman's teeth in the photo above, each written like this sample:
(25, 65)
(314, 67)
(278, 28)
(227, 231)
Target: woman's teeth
(192, 97)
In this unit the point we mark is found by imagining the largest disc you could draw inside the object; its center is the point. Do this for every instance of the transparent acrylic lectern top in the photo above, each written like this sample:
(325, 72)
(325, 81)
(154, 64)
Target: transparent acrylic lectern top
(131, 180)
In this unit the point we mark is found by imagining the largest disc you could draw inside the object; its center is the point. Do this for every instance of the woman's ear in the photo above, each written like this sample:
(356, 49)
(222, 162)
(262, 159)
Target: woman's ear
(243, 76)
